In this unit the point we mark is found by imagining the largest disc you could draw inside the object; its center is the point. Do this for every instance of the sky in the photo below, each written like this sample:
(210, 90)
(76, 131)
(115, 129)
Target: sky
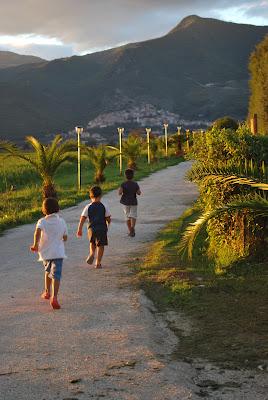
(61, 28)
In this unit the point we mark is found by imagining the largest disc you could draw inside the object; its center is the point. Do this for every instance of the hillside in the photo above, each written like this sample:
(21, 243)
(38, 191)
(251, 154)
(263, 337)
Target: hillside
(9, 59)
(199, 70)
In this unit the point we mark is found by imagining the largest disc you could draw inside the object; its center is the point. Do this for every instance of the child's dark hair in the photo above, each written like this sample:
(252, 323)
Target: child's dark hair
(129, 173)
(50, 206)
(95, 191)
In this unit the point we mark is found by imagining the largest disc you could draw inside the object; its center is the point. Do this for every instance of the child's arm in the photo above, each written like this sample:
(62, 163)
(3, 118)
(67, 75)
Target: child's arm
(65, 233)
(120, 191)
(37, 237)
(108, 220)
(139, 192)
(80, 226)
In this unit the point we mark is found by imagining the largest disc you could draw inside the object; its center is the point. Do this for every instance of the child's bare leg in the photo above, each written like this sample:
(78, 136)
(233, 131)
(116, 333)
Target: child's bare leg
(129, 224)
(100, 251)
(133, 223)
(46, 294)
(92, 249)
(55, 287)
(47, 283)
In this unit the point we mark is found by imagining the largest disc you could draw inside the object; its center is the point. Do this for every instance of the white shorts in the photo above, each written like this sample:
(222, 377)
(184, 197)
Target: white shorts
(131, 211)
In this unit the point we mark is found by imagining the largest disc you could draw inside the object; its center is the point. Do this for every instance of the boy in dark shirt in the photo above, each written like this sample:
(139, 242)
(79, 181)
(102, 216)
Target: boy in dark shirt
(128, 192)
(99, 217)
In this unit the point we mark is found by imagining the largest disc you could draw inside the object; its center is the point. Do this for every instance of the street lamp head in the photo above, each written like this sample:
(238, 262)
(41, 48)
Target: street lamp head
(79, 129)
(121, 130)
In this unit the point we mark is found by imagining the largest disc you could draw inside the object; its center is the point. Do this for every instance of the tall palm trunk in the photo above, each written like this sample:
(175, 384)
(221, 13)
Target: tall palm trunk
(132, 164)
(48, 189)
(99, 176)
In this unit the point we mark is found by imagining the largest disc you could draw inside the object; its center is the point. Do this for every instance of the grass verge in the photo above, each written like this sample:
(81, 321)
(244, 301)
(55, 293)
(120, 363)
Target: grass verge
(227, 313)
(24, 204)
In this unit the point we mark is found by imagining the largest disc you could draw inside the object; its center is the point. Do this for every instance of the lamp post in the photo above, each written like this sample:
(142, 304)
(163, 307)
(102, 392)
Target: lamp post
(120, 133)
(187, 139)
(148, 131)
(179, 141)
(79, 131)
(166, 138)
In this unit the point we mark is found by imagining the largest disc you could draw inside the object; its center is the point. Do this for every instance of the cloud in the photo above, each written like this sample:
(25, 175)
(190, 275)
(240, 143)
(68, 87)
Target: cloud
(45, 51)
(82, 25)
(258, 9)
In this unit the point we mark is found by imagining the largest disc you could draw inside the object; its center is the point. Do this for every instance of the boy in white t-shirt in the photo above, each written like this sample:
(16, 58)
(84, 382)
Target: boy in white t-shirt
(49, 237)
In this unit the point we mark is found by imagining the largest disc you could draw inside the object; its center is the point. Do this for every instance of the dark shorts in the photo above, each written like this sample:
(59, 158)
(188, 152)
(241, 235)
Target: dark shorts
(99, 238)
(54, 268)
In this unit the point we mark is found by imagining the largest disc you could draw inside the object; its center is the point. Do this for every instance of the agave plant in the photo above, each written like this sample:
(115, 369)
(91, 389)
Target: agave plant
(257, 205)
(99, 159)
(45, 159)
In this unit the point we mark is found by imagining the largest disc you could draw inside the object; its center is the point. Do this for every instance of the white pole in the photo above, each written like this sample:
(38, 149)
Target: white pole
(79, 130)
(148, 131)
(120, 132)
(166, 138)
(179, 140)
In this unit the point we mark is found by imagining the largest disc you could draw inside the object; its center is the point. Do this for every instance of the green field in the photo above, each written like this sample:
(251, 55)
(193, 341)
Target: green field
(227, 313)
(23, 204)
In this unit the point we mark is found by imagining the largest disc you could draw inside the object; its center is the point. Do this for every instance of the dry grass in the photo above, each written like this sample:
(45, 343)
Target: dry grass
(228, 312)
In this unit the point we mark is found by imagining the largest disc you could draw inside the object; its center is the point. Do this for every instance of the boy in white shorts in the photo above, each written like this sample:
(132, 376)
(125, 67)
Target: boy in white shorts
(128, 192)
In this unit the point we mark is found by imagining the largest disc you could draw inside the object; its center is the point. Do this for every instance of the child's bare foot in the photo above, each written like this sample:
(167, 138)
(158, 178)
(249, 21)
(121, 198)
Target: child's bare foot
(45, 295)
(132, 232)
(98, 266)
(54, 303)
(90, 259)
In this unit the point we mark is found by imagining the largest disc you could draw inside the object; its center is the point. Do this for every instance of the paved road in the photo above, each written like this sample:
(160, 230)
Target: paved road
(107, 341)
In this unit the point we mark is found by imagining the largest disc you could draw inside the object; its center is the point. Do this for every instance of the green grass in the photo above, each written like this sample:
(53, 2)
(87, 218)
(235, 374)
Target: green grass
(24, 204)
(227, 312)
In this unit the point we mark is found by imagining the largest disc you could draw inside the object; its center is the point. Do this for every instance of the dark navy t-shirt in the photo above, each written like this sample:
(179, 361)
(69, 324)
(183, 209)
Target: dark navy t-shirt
(129, 196)
(96, 212)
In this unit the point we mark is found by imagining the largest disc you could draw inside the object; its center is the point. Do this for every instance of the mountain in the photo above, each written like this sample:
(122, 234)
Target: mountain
(9, 59)
(199, 70)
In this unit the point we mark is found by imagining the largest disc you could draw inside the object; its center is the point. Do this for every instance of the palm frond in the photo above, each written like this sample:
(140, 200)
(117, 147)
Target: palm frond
(13, 151)
(52, 147)
(39, 148)
(257, 206)
(239, 181)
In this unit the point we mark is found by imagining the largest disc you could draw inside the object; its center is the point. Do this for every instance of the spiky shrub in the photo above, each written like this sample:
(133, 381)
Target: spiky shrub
(45, 159)
(236, 225)
(154, 149)
(99, 158)
(131, 150)
(229, 168)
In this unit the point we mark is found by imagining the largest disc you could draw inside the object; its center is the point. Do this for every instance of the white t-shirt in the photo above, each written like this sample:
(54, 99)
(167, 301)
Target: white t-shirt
(51, 245)
(85, 210)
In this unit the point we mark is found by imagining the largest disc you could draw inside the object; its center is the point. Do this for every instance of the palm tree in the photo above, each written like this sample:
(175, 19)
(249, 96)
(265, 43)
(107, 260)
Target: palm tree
(45, 159)
(131, 150)
(99, 159)
(256, 204)
(154, 149)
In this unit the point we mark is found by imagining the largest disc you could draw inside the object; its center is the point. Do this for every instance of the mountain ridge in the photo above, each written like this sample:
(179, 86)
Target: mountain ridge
(196, 71)
(9, 59)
